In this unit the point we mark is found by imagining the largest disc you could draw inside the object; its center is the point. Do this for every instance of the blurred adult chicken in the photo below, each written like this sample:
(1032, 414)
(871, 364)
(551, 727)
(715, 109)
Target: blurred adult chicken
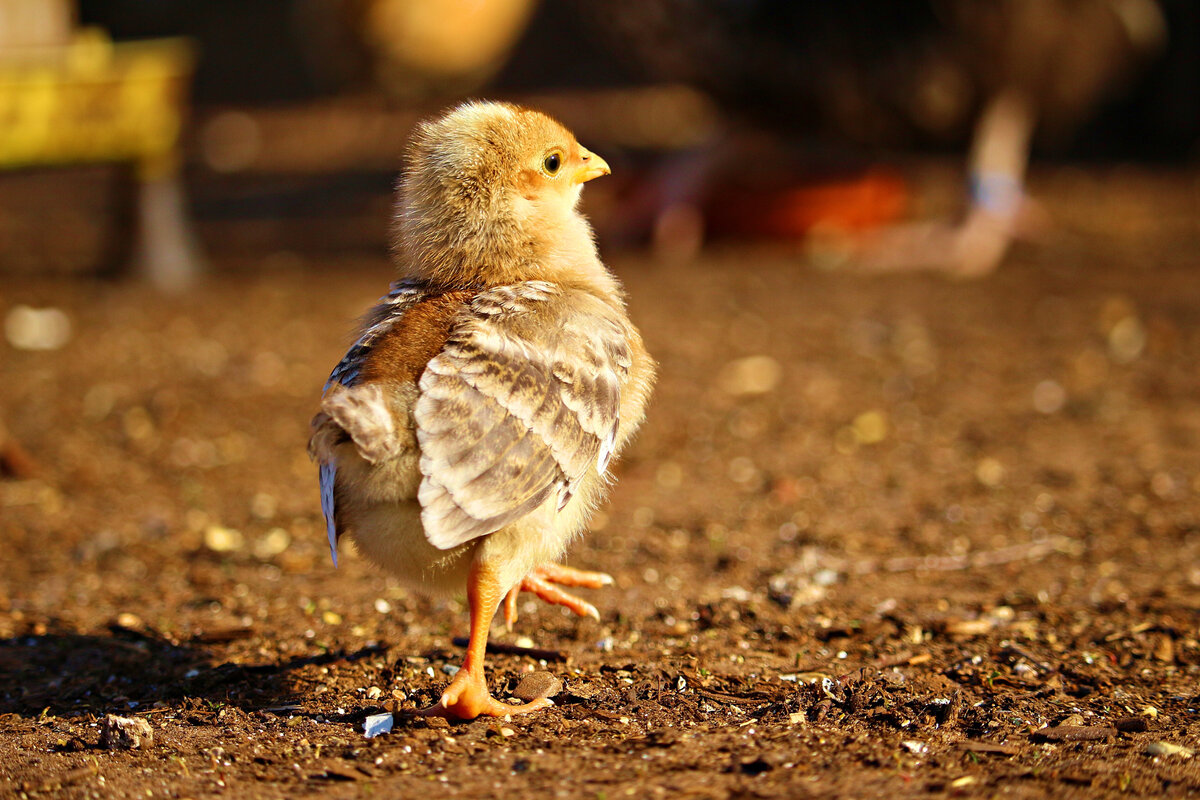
(465, 438)
(879, 72)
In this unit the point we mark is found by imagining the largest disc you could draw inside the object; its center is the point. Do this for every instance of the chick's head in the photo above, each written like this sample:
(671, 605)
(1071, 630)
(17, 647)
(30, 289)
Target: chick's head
(489, 196)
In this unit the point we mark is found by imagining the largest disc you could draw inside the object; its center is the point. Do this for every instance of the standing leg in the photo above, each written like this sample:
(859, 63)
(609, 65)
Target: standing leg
(467, 695)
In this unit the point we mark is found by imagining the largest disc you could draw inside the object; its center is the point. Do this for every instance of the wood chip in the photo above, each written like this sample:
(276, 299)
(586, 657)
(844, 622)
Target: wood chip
(969, 627)
(583, 691)
(987, 748)
(1163, 648)
(1075, 733)
(222, 635)
(1131, 724)
(337, 775)
(721, 697)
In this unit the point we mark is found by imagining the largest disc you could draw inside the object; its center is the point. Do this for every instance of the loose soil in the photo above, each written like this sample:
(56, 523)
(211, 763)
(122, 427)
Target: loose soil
(933, 538)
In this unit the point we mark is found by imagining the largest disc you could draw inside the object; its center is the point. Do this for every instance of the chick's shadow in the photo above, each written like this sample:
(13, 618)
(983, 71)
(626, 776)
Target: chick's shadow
(64, 673)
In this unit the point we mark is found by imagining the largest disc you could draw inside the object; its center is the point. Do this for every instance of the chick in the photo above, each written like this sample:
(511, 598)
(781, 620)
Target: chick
(465, 438)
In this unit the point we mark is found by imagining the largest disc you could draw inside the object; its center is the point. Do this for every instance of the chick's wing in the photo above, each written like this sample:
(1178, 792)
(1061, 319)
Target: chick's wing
(345, 414)
(520, 403)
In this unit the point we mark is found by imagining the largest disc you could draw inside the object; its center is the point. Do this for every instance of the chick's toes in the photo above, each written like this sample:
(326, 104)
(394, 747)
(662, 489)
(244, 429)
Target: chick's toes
(541, 583)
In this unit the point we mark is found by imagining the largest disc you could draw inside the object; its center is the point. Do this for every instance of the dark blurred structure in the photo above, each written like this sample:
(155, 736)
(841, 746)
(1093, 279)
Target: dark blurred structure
(784, 62)
(911, 73)
(265, 51)
(890, 75)
(1158, 119)
(303, 107)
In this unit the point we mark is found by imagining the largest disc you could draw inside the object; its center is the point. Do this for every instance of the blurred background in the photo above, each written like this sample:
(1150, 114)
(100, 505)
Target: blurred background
(878, 135)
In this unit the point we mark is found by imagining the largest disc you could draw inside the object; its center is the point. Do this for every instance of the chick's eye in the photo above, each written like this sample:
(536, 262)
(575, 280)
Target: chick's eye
(552, 163)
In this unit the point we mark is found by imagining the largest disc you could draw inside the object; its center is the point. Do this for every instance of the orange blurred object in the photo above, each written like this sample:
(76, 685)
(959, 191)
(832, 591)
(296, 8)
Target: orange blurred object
(875, 198)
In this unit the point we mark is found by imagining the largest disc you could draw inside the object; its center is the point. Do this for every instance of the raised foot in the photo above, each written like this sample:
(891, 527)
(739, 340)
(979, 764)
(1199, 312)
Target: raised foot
(467, 697)
(541, 582)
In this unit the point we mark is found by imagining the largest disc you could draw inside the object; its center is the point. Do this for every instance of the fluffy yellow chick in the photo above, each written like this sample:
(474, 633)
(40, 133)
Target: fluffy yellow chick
(465, 438)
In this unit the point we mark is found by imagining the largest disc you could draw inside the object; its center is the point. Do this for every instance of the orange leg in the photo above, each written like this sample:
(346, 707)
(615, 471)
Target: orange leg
(541, 582)
(467, 695)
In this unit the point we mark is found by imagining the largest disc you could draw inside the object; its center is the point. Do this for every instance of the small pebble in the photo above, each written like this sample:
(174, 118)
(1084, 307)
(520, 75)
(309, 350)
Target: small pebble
(870, 427)
(220, 539)
(1168, 749)
(126, 733)
(989, 472)
(537, 685)
(1126, 340)
(1049, 397)
(750, 375)
(128, 620)
(275, 542)
(37, 328)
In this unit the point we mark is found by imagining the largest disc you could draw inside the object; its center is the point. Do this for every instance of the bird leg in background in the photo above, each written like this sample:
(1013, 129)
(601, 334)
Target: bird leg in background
(997, 164)
(541, 582)
(976, 245)
(467, 695)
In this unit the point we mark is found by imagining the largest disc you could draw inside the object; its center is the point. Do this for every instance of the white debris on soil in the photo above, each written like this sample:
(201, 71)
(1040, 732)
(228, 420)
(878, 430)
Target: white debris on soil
(376, 725)
(126, 733)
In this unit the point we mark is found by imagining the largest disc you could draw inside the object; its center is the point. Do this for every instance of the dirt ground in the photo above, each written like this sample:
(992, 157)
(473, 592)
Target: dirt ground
(880, 537)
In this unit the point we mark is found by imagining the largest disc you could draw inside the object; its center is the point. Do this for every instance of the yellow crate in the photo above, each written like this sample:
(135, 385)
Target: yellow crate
(95, 101)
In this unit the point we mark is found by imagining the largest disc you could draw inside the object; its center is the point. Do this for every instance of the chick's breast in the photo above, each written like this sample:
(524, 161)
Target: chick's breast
(477, 423)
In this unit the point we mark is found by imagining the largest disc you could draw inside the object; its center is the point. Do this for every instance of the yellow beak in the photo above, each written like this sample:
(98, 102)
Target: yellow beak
(593, 166)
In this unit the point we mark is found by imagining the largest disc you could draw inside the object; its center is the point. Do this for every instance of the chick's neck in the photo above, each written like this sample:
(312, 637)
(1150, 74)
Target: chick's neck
(515, 243)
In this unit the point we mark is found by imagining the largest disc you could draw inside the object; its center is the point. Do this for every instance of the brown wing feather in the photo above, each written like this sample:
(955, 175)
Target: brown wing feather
(401, 333)
(520, 403)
